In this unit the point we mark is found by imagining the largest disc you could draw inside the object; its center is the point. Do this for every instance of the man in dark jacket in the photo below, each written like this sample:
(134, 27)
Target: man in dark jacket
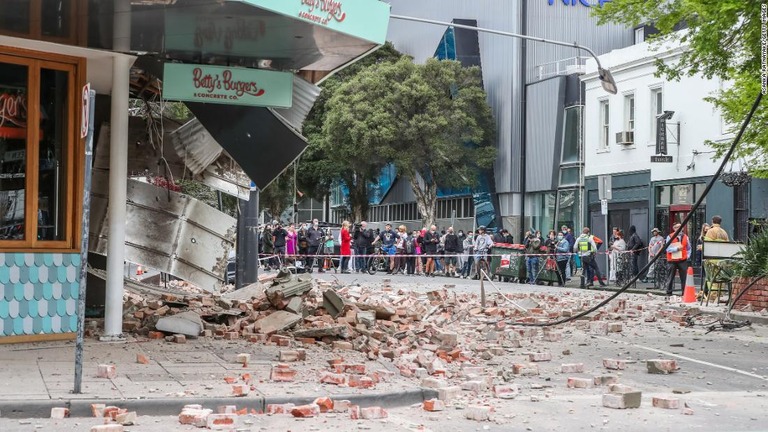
(363, 238)
(498, 237)
(507, 237)
(635, 245)
(314, 234)
(279, 233)
(452, 247)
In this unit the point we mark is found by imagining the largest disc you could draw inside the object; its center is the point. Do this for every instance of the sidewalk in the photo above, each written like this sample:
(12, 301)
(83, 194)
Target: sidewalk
(39, 376)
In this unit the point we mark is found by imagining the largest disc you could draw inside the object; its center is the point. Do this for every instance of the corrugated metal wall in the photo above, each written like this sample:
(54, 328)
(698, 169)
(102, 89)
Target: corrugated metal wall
(499, 57)
(544, 136)
(400, 192)
(568, 23)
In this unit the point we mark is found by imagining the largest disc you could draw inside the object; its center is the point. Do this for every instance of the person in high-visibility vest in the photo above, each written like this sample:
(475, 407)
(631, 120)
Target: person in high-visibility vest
(586, 247)
(678, 253)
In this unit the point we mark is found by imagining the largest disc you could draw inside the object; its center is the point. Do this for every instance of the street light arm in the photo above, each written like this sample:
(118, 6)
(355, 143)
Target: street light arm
(502, 33)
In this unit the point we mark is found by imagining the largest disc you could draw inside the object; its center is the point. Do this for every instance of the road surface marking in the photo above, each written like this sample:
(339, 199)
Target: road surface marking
(667, 353)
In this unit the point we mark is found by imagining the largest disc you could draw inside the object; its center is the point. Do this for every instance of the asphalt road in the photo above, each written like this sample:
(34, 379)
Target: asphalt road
(723, 378)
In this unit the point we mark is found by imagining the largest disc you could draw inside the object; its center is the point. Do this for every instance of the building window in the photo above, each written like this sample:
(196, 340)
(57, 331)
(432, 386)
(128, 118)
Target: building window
(52, 20)
(570, 176)
(540, 211)
(741, 212)
(572, 135)
(38, 142)
(639, 35)
(568, 209)
(605, 116)
(629, 113)
(657, 108)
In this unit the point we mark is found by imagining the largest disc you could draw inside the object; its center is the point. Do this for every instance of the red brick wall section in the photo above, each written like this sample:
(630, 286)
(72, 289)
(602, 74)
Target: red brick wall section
(757, 295)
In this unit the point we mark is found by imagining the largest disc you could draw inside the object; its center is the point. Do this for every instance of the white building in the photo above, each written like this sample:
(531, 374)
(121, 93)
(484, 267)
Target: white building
(620, 138)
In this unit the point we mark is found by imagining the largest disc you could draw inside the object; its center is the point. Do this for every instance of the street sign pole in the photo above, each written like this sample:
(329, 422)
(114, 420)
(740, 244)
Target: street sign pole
(605, 193)
(89, 97)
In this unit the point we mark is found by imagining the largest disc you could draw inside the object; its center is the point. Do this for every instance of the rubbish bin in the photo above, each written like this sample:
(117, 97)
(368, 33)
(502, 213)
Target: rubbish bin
(548, 273)
(507, 262)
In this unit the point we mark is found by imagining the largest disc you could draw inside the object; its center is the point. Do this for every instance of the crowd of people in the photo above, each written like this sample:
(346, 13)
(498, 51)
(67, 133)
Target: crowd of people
(427, 252)
(430, 252)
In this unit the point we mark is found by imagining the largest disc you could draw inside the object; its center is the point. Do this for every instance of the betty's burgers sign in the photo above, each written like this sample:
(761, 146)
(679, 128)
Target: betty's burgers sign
(227, 85)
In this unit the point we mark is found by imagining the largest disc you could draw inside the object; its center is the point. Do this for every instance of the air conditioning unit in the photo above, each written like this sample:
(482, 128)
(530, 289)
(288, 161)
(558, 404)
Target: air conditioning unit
(625, 138)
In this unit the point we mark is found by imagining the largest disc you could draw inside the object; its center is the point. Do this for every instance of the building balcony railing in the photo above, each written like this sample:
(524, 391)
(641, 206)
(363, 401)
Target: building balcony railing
(566, 66)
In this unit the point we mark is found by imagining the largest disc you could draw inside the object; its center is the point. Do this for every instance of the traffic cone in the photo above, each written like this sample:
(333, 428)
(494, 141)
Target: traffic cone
(689, 295)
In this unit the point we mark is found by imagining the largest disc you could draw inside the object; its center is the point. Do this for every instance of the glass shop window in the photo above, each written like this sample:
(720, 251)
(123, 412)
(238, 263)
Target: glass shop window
(38, 141)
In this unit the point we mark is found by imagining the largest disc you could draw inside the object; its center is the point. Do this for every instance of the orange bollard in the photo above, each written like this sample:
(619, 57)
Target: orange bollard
(689, 294)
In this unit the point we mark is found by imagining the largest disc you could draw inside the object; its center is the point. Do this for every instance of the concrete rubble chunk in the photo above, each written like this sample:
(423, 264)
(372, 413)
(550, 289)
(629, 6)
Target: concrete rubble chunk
(622, 397)
(106, 371)
(339, 331)
(448, 393)
(366, 318)
(665, 402)
(254, 290)
(108, 428)
(506, 391)
(126, 419)
(59, 413)
(278, 321)
(433, 383)
(661, 366)
(283, 288)
(186, 323)
(373, 413)
(478, 412)
(572, 368)
(333, 303)
(615, 364)
(295, 305)
(575, 382)
(602, 380)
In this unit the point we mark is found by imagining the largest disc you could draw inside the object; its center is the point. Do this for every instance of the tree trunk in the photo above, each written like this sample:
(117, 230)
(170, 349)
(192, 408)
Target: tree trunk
(358, 196)
(426, 198)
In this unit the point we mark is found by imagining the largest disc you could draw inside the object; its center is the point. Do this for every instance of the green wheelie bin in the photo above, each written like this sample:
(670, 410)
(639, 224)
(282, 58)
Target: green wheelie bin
(507, 262)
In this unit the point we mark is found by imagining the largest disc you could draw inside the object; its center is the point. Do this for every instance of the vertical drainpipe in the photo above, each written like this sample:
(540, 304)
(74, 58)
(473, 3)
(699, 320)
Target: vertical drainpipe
(523, 110)
(118, 171)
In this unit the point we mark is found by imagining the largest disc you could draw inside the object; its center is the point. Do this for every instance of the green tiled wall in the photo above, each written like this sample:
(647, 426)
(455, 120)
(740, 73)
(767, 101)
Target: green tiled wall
(39, 293)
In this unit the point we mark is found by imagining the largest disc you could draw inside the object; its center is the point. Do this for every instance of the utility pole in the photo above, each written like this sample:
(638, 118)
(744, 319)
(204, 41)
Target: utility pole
(247, 254)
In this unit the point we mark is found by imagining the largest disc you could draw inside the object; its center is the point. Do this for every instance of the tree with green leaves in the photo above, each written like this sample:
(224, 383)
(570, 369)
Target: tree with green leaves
(432, 121)
(278, 195)
(723, 40)
(326, 161)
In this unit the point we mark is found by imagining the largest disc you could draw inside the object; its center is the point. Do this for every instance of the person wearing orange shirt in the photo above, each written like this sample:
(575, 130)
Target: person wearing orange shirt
(678, 253)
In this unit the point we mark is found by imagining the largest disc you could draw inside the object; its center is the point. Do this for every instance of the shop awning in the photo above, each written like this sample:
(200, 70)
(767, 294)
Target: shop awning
(276, 34)
(261, 142)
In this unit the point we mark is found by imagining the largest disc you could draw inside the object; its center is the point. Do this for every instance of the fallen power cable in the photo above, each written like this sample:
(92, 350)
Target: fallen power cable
(661, 252)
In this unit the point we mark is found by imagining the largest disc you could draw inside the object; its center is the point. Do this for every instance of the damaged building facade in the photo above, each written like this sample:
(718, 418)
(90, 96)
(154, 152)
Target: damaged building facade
(247, 70)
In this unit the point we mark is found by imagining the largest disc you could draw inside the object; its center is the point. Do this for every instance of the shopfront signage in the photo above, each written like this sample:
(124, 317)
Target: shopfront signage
(13, 110)
(585, 3)
(661, 136)
(13, 115)
(364, 19)
(227, 85)
(661, 159)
